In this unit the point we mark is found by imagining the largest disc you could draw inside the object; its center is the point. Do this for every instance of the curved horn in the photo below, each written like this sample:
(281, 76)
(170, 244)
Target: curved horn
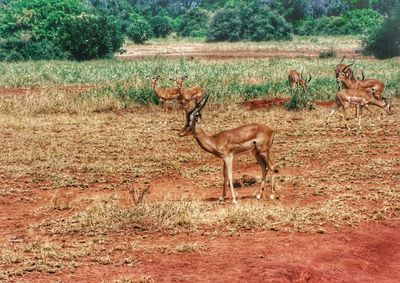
(342, 59)
(362, 73)
(198, 106)
(348, 66)
(309, 78)
(204, 103)
(301, 74)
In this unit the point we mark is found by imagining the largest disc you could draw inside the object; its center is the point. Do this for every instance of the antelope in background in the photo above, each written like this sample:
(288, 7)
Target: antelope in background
(188, 94)
(256, 138)
(296, 79)
(164, 94)
(360, 98)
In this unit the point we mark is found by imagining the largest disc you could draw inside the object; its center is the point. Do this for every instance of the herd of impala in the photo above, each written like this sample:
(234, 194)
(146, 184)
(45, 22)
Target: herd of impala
(258, 138)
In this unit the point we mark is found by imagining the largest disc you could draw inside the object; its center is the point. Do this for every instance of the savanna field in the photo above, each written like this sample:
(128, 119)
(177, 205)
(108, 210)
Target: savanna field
(96, 185)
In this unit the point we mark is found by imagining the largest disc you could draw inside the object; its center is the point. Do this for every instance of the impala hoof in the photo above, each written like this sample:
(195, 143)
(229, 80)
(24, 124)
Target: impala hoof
(234, 201)
(273, 196)
(221, 199)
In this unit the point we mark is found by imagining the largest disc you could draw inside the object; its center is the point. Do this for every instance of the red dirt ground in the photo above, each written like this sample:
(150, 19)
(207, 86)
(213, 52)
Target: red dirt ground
(266, 103)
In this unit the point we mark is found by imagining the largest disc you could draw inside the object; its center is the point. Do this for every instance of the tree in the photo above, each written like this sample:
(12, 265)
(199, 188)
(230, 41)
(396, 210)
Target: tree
(385, 41)
(248, 21)
(194, 23)
(89, 36)
(161, 25)
(139, 30)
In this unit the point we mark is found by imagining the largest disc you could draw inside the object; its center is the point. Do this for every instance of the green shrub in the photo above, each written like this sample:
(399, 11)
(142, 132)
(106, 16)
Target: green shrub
(88, 37)
(194, 23)
(139, 30)
(384, 42)
(361, 21)
(161, 25)
(248, 21)
(13, 49)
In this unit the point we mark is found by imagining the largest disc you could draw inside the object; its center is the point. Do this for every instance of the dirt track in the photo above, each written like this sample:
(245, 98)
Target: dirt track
(203, 51)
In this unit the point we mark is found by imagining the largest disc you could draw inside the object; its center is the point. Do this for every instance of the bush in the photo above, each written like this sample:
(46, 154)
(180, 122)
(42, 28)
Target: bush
(161, 25)
(248, 21)
(384, 42)
(14, 49)
(139, 30)
(353, 22)
(88, 37)
(194, 23)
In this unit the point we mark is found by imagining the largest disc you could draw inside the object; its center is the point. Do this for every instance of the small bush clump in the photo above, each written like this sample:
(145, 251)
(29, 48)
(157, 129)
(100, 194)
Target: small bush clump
(248, 21)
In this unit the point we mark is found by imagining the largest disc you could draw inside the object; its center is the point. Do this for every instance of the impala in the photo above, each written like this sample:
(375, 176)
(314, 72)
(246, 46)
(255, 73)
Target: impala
(256, 138)
(296, 79)
(370, 85)
(164, 94)
(360, 98)
(340, 68)
(188, 94)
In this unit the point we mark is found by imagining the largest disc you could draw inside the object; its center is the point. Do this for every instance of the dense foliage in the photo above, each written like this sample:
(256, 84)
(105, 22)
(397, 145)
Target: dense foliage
(39, 29)
(87, 36)
(248, 21)
(194, 23)
(385, 41)
(139, 29)
(54, 29)
(362, 21)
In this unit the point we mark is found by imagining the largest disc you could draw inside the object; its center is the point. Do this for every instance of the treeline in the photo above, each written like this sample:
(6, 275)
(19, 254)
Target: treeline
(90, 29)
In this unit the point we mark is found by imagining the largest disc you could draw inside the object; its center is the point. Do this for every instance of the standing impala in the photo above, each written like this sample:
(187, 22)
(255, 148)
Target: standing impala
(256, 138)
(340, 68)
(164, 94)
(370, 85)
(296, 79)
(187, 94)
(357, 97)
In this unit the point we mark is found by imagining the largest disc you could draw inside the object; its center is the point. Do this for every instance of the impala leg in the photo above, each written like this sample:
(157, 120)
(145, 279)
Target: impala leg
(228, 161)
(263, 165)
(332, 112)
(271, 167)
(359, 118)
(222, 198)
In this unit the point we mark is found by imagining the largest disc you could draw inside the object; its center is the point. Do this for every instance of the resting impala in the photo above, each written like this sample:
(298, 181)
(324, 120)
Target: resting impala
(256, 138)
(296, 79)
(361, 98)
(164, 94)
(187, 94)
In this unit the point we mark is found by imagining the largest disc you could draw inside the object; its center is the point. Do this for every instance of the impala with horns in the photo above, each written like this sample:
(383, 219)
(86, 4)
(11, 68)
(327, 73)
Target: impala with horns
(361, 98)
(164, 94)
(188, 94)
(296, 79)
(370, 85)
(340, 68)
(254, 138)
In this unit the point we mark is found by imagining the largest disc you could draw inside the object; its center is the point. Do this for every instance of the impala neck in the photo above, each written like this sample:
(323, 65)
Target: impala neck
(157, 90)
(205, 141)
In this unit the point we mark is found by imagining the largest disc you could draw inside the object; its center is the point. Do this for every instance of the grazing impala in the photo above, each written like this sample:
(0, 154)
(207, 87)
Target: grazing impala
(296, 79)
(187, 94)
(256, 138)
(361, 98)
(164, 94)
